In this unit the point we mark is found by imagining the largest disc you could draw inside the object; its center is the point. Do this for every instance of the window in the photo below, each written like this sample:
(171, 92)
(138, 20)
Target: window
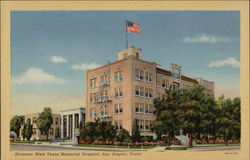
(146, 92)
(93, 112)
(158, 81)
(118, 92)
(118, 108)
(146, 109)
(139, 74)
(139, 108)
(176, 86)
(158, 95)
(147, 125)
(93, 82)
(137, 91)
(141, 124)
(118, 125)
(56, 121)
(148, 77)
(141, 91)
(150, 95)
(93, 97)
(118, 76)
(34, 120)
(164, 83)
(151, 109)
(104, 80)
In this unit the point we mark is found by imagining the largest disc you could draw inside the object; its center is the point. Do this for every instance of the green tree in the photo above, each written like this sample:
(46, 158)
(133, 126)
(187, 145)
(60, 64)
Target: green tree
(167, 115)
(88, 133)
(123, 136)
(23, 131)
(228, 120)
(28, 130)
(207, 111)
(15, 124)
(237, 116)
(45, 120)
(159, 128)
(98, 130)
(136, 137)
(110, 131)
(105, 131)
(190, 117)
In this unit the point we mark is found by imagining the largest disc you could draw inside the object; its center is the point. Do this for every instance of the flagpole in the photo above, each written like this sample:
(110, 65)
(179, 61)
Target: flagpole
(126, 34)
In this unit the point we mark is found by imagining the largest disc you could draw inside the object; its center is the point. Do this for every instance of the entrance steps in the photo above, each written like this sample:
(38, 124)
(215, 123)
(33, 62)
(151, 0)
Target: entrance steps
(184, 140)
(67, 142)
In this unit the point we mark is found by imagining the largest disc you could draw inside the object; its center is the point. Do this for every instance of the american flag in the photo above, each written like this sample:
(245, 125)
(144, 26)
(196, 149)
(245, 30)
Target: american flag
(132, 27)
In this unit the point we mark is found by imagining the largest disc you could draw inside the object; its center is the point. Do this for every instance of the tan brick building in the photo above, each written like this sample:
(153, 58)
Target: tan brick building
(37, 134)
(124, 90)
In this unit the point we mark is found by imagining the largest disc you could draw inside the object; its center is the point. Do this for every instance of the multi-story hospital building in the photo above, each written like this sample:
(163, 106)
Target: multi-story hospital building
(124, 90)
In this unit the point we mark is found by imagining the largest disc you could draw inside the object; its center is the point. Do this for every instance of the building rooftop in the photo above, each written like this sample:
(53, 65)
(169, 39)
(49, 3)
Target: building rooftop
(73, 109)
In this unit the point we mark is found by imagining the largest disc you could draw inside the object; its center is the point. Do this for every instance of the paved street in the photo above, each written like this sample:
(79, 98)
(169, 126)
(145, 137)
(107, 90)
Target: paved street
(27, 147)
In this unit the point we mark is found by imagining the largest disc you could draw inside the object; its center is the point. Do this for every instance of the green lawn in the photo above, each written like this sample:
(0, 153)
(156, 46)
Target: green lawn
(20, 142)
(113, 146)
(177, 148)
(26, 142)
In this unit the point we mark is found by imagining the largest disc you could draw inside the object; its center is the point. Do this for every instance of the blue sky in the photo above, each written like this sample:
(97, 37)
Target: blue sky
(51, 50)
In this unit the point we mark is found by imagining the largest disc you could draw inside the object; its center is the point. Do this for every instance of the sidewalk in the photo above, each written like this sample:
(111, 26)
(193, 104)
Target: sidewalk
(84, 148)
(214, 148)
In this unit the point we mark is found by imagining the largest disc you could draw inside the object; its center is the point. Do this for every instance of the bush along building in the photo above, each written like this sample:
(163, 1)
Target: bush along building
(30, 120)
(123, 91)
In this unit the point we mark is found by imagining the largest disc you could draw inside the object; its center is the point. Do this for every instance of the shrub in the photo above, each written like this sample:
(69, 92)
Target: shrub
(211, 142)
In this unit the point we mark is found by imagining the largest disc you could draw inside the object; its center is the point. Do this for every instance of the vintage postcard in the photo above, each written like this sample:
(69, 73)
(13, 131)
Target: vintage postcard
(127, 80)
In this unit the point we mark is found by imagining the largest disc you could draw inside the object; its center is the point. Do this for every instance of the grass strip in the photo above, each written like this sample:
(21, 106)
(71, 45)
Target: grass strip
(21, 142)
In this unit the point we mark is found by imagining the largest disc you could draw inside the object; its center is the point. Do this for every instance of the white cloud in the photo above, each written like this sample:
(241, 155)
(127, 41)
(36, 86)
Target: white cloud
(232, 62)
(204, 38)
(57, 59)
(85, 66)
(36, 76)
